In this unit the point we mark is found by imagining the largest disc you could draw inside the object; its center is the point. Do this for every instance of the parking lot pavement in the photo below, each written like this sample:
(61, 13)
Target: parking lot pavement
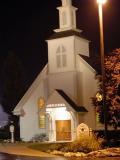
(22, 150)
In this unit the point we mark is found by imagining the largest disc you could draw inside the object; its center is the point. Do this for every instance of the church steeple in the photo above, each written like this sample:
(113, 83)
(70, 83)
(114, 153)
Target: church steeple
(67, 16)
(66, 2)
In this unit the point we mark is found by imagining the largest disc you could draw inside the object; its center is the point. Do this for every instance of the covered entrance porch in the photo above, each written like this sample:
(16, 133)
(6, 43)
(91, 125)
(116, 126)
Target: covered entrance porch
(62, 113)
(60, 124)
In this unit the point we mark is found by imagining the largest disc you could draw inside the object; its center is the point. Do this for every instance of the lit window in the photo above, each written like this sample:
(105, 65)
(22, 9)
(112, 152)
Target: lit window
(41, 120)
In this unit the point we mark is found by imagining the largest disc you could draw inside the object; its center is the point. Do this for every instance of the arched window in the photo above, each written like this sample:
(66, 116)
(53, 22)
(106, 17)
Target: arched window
(64, 18)
(41, 114)
(72, 17)
(42, 120)
(61, 59)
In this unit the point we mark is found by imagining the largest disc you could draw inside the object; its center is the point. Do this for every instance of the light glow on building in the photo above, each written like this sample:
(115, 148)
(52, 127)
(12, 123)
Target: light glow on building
(62, 114)
(56, 105)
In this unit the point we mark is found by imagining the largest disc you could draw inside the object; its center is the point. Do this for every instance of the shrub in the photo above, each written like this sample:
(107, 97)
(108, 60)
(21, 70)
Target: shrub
(83, 144)
(56, 146)
(4, 135)
(40, 138)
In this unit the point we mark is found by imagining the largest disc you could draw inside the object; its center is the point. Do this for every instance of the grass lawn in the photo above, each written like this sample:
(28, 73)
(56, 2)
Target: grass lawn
(40, 146)
(84, 144)
(45, 146)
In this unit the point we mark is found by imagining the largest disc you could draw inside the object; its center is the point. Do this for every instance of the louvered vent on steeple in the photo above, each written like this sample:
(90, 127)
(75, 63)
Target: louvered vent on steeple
(67, 16)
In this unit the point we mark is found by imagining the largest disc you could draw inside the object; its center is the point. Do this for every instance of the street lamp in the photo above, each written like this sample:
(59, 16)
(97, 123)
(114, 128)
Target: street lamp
(100, 4)
(101, 1)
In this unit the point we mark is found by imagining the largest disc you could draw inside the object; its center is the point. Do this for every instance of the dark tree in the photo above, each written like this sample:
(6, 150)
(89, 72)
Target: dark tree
(13, 84)
(112, 90)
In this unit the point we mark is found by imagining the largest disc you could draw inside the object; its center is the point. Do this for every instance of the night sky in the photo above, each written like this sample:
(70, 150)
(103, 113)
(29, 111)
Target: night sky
(25, 25)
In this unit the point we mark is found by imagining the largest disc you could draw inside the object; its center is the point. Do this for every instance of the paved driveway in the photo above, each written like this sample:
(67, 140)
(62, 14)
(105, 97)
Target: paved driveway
(4, 156)
(18, 149)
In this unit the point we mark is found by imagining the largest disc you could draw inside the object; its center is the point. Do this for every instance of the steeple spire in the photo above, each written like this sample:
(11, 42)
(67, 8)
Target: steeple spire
(66, 2)
(67, 16)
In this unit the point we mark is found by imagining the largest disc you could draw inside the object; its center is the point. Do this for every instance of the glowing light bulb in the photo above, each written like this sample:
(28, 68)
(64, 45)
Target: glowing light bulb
(101, 1)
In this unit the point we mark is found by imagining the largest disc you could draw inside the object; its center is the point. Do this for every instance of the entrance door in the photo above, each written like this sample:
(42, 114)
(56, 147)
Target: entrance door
(63, 130)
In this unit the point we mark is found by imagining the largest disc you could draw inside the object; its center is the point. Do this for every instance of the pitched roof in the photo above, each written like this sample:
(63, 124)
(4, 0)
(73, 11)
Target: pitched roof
(71, 102)
(66, 34)
(93, 61)
(30, 90)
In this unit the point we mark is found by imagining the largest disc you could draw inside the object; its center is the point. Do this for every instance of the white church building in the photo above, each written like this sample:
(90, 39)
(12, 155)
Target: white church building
(60, 97)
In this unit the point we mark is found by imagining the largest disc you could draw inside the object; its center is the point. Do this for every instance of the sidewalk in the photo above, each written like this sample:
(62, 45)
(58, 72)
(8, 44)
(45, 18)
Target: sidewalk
(19, 149)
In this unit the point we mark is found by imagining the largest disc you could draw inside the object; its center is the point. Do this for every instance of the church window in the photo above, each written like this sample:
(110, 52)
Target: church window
(58, 61)
(63, 48)
(64, 60)
(64, 18)
(58, 50)
(41, 112)
(61, 58)
(42, 120)
(72, 17)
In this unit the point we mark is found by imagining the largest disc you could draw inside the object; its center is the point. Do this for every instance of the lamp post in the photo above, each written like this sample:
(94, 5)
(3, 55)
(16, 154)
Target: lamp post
(100, 4)
(12, 133)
